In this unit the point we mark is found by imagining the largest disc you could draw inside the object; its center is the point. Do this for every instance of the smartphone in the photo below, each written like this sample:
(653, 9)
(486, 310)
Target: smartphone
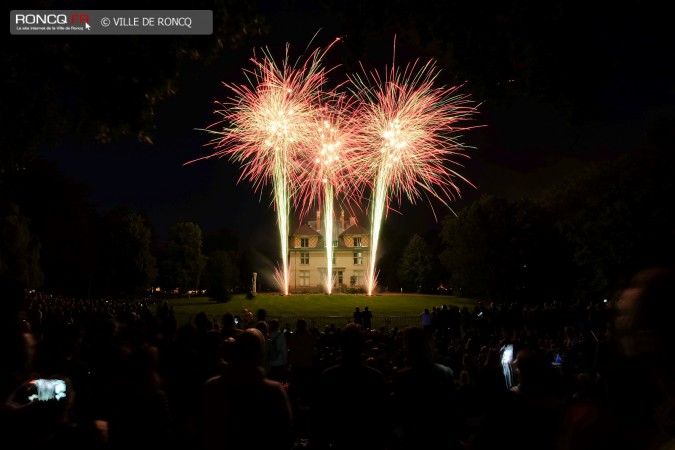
(507, 354)
(46, 389)
(507, 359)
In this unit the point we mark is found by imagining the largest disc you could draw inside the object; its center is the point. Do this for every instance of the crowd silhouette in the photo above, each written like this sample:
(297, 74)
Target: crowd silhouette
(585, 376)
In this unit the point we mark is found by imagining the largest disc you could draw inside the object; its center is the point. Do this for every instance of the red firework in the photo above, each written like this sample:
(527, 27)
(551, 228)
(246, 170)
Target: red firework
(408, 131)
(327, 170)
(265, 122)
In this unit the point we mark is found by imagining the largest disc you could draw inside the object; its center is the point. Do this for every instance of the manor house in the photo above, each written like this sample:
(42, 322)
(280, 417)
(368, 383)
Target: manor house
(307, 256)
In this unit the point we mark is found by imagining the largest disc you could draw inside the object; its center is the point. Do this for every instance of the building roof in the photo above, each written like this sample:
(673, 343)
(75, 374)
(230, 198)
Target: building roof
(306, 230)
(355, 229)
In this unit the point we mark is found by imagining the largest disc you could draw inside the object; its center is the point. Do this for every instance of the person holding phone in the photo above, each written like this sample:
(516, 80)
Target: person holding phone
(230, 328)
(39, 413)
(36, 391)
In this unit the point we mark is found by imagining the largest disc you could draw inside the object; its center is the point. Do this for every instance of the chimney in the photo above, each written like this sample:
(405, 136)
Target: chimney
(342, 220)
(318, 220)
(352, 221)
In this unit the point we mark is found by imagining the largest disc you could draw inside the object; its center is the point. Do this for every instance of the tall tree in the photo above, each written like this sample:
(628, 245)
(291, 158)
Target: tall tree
(388, 257)
(19, 249)
(183, 261)
(416, 266)
(62, 218)
(544, 262)
(221, 275)
(618, 216)
(479, 251)
(128, 265)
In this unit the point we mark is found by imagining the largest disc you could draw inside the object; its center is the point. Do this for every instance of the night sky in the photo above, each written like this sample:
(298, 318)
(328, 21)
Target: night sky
(605, 79)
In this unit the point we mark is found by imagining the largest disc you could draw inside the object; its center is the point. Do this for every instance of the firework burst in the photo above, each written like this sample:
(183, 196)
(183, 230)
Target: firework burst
(327, 172)
(408, 131)
(264, 125)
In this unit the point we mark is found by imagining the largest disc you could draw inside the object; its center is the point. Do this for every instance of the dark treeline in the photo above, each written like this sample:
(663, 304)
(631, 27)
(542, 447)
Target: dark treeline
(570, 242)
(55, 240)
(573, 241)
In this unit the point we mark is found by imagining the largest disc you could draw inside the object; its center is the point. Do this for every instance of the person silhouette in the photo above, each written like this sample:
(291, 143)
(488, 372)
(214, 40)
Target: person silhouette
(367, 318)
(304, 368)
(278, 347)
(39, 423)
(426, 319)
(362, 422)
(637, 373)
(358, 316)
(242, 408)
(230, 326)
(424, 396)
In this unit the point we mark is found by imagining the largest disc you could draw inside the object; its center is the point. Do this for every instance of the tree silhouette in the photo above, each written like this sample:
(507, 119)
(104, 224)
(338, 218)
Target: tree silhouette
(182, 261)
(416, 266)
(128, 266)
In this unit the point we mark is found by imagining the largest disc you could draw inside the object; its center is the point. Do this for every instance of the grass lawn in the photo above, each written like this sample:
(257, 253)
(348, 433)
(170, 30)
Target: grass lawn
(315, 305)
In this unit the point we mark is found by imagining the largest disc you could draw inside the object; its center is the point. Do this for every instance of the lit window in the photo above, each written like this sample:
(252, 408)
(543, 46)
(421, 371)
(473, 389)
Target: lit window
(358, 277)
(358, 257)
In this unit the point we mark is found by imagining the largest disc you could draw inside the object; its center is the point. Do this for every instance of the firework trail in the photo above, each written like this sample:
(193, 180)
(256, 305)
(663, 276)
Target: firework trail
(328, 170)
(265, 123)
(408, 140)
